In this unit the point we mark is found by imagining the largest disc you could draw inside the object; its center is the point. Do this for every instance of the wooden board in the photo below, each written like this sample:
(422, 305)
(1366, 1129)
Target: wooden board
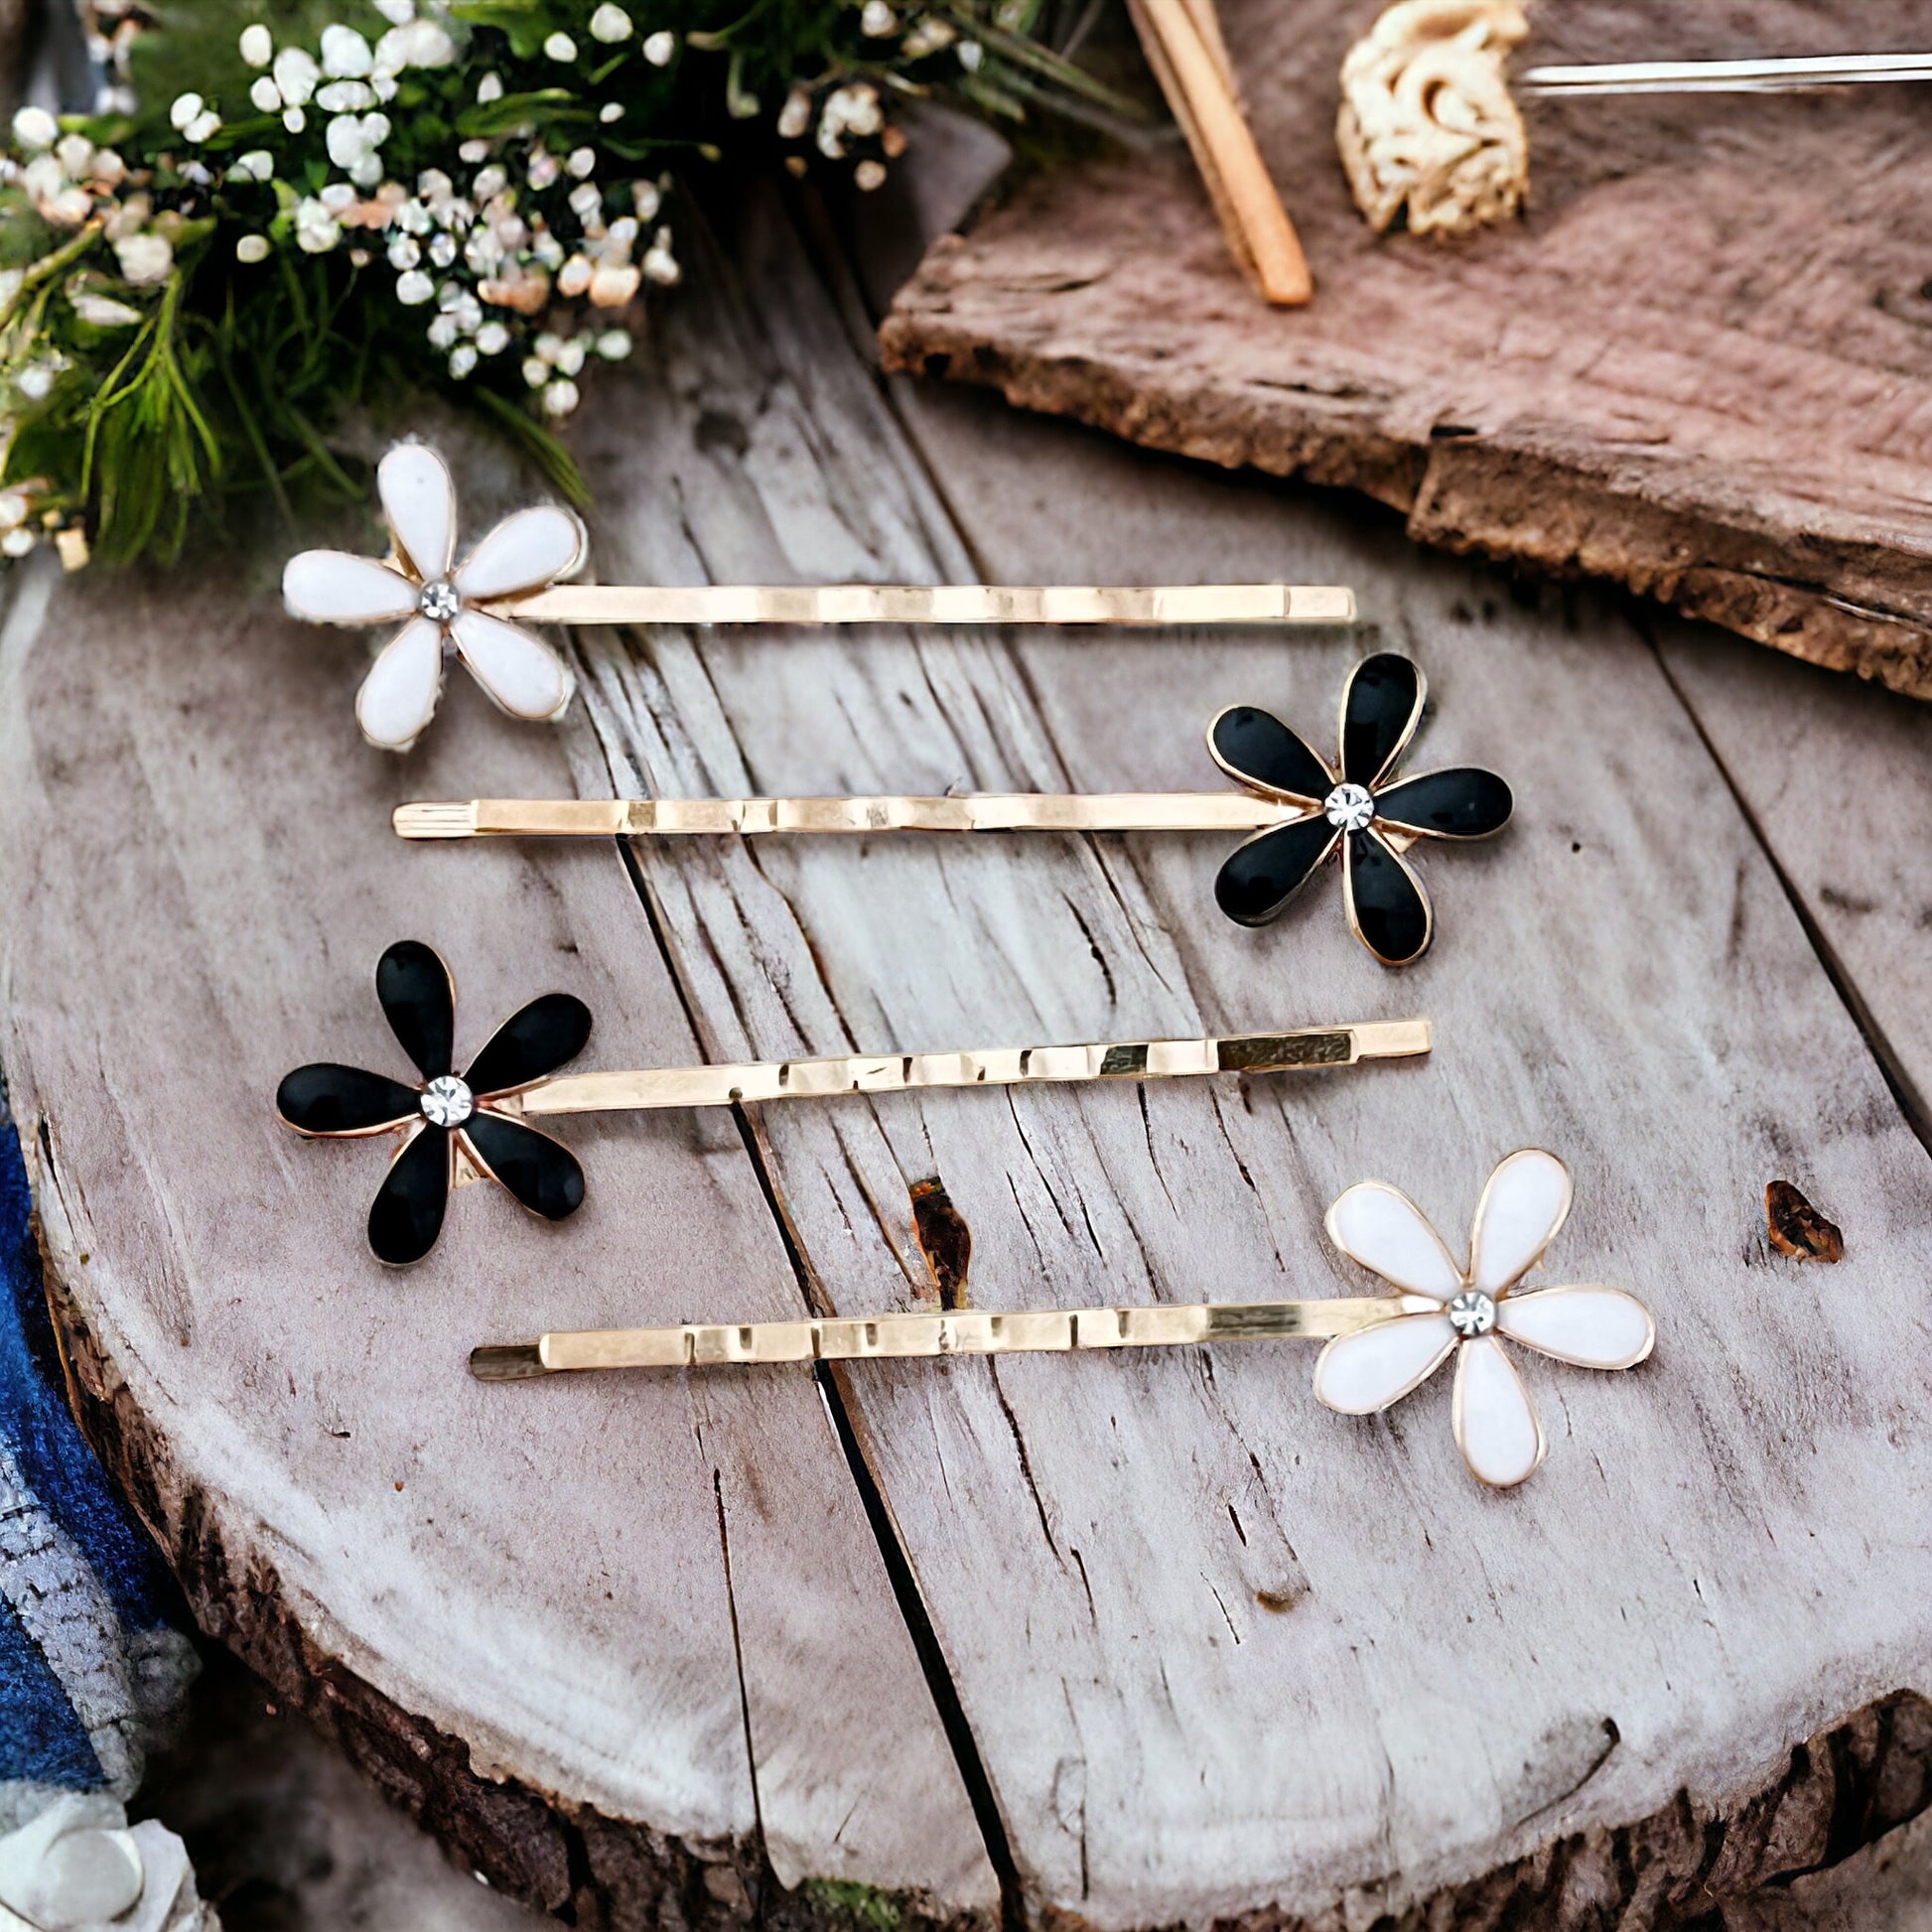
(618, 1644)
(1213, 1651)
(1702, 367)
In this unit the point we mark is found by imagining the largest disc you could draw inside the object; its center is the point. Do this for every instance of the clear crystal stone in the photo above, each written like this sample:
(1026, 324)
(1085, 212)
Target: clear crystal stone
(1350, 807)
(447, 1102)
(438, 602)
(1472, 1312)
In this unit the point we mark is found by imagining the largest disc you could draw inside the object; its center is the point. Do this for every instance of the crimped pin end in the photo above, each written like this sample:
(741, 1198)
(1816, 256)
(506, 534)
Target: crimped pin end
(436, 821)
(507, 1363)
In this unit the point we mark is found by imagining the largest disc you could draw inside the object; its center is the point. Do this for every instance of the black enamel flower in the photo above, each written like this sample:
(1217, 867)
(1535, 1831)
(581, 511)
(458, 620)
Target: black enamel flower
(447, 1117)
(1353, 807)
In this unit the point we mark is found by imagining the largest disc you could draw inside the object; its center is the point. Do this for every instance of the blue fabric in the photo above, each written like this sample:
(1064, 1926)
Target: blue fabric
(86, 1649)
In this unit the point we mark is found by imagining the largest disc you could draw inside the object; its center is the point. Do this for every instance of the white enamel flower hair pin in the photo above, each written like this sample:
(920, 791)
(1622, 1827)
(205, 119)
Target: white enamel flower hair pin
(1471, 1310)
(443, 607)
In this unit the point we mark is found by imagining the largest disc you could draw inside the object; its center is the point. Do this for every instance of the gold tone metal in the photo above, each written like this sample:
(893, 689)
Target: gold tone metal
(963, 1331)
(1027, 811)
(808, 603)
(1150, 1060)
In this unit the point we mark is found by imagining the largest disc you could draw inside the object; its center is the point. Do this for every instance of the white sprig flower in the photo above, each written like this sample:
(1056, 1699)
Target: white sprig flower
(414, 288)
(296, 76)
(252, 248)
(257, 45)
(256, 165)
(399, 13)
(660, 46)
(356, 146)
(560, 47)
(442, 609)
(414, 44)
(1469, 1311)
(186, 108)
(35, 128)
(316, 228)
(345, 97)
(610, 25)
(346, 55)
(145, 258)
(265, 96)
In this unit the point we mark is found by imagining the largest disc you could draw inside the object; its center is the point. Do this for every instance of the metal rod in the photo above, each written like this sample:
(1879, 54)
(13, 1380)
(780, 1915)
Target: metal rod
(1767, 76)
(963, 1331)
(1078, 604)
(1148, 1059)
(1117, 811)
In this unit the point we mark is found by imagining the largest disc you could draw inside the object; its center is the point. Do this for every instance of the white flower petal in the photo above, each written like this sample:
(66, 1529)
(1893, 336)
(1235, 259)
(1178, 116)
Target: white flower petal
(1495, 1422)
(1522, 1207)
(523, 553)
(398, 697)
(1594, 1327)
(520, 672)
(332, 586)
(419, 500)
(1385, 1230)
(1366, 1371)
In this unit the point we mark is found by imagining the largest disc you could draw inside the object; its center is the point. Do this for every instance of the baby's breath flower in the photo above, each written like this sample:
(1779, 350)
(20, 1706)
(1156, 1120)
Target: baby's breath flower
(537, 371)
(795, 116)
(611, 25)
(489, 89)
(868, 175)
(266, 96)
(338, 197)
(490, 182)
(614, 345)
(36, 128)
(971, 54)
(560, 397)
(646, 198)
(661, 265)
(492, 339)
(443, 249)
(462, 359)
(204, 126)
(256, 165)
(399, 13)
(612, 111)
(102, 310)
(560, 47)
(16, 543)
(929, 37)
(660, 46)
(405, 251)
(145, 258)
(412, 217)
(13, 509)
(252, 248)
(316, 228)
(257, 45)
(582, 163)
(474, 151)
(346, 54)
(187, 107)
(296, 75)
(415, 43)
(345, 97)
(414, 288)
(383, 85)
(294, 119)
(877, 20)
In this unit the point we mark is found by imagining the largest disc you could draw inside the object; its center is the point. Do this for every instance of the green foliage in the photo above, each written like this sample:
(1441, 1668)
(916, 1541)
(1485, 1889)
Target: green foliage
(865, 1906)
(198, 290)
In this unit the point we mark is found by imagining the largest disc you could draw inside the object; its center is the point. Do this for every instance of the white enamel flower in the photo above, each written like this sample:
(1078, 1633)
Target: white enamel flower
(1473, 1309)
(440, 605)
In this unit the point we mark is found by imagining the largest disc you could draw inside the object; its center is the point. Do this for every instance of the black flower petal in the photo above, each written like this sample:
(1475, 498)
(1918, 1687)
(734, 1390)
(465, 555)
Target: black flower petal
(1387, 905)
(407, 1213)
(541, 1173)
(1463, 803)
(1379, 712)
(534, 1041)
(1261, 877)
(1255, 747)
(327, 1099)
(419, 999)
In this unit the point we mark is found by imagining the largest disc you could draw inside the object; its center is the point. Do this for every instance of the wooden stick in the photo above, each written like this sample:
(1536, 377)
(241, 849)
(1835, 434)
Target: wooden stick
(1184, 46)
(962, 1331)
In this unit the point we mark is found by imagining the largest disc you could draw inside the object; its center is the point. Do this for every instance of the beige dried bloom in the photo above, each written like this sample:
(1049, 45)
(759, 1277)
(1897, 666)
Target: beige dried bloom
(1427, 123)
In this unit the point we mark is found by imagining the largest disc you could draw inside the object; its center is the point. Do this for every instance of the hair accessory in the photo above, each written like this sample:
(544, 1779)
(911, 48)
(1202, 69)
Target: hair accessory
(475, 609)
(456, 1129)
(1302, 810)
(1379, 1347)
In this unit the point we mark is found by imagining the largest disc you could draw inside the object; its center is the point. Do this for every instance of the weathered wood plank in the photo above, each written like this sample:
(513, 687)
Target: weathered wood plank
(624, 1645)
(1701, 365)
(1242, 1658)
(1840, 781)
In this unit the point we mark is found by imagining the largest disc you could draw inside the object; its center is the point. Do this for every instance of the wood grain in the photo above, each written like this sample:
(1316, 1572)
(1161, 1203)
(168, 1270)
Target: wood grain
(632, 1650)
(1243, 1662)
(1702, 367)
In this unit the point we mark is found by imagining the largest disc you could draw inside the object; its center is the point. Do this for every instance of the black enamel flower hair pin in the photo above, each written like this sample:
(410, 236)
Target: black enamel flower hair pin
(450, 1127)
(1357, 808)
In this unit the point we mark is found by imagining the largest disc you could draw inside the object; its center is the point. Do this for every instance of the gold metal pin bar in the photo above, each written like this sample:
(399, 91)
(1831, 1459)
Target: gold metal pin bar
(1147, 1059)
(1027, 811)
(964, 604)
(963, 1331)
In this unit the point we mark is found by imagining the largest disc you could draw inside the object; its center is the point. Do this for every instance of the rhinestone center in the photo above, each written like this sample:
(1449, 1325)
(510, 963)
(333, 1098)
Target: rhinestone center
(1471, 1314)
(447, 1102)
(438, 602)
(1350, 807)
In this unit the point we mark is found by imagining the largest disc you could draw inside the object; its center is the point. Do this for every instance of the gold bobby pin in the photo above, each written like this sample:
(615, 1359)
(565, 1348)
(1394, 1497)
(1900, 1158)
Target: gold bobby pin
(474, 611)
(1379, 1348)
(452, 1129)
(962, 1331)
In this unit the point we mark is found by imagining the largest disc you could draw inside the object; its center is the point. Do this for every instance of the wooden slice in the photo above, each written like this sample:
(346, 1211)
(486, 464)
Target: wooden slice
(1701, 365)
